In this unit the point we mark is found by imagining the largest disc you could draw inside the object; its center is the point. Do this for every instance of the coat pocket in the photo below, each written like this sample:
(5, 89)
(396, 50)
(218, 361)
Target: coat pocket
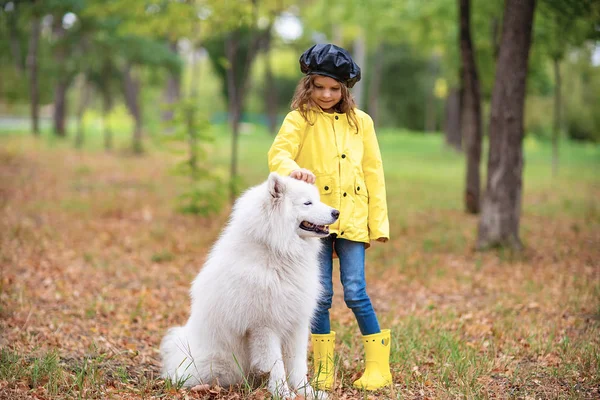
(360, 189)
(360, 214)
(325, 184)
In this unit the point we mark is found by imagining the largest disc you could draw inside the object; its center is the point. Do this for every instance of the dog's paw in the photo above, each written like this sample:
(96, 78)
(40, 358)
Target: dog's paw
(281, 391)
(311, 394)
(320, 395)
(285, 395)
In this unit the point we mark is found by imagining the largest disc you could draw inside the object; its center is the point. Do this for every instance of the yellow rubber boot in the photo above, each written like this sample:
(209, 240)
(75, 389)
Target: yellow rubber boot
(377, 362)
(323, 347)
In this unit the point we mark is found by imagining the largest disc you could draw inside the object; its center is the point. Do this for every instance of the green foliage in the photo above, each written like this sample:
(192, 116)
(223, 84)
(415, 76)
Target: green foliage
(403, 88)
(582, 124)
(245, 40)
(286, 75)
(420, 39)
(206, 191)
(146, 51)
(15, 25)
(204, 197)
(582, 97)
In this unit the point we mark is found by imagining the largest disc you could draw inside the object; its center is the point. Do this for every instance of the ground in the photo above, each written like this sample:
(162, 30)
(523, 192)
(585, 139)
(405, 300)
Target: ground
(96, 264)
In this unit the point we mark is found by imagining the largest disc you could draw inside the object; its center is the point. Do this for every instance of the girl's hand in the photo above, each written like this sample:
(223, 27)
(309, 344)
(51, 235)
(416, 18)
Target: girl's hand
(382, 239)
(303, 174)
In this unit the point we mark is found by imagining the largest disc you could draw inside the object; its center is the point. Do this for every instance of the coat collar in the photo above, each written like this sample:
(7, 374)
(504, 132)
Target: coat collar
(319, 110)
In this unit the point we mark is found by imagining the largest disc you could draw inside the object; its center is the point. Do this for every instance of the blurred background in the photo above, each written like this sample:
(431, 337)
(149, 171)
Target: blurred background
(123, 63)
(183, 75)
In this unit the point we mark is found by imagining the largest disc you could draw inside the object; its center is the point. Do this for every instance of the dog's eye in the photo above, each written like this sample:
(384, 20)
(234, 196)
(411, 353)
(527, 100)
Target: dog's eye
(308, 203)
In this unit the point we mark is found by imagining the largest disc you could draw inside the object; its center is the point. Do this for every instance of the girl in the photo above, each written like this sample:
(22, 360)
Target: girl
(328, 141)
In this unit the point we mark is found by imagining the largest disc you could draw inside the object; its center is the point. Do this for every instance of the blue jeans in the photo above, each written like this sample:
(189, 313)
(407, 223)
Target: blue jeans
(352, 273)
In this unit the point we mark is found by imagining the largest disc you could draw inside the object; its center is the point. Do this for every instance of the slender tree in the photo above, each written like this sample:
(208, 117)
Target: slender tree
(271, 99)
(237, 88)
(239, 47)
(470, 119)
(501, 210)
(452, 131)
(104, 77)
(63, 81)
(32, 66)
(563, 25)
(557, 114)
(172, 92)
(375, 83)
(85, 96)
(131, 90)
(360, 56)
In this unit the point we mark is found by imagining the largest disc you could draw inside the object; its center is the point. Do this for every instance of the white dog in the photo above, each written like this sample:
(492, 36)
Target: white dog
(253, 300)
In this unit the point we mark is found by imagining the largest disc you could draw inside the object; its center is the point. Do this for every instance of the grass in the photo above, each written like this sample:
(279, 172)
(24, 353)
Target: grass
(97, 263)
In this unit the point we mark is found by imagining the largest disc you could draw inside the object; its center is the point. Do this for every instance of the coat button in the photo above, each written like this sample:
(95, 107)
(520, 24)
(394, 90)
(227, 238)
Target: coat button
(336, 117)
(326, 188)
(344, 194)
(342, 232)
(358, 188)
(343, 156)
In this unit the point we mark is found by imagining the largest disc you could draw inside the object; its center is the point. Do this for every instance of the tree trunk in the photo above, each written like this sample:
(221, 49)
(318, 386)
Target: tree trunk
(360, 52)
(337, 36)
(172, 92)
(430, 102)
(84, 99)
(131, 87)
(192, 135)
(60, 107)
(375, 84)
(271, 90)
(430, 118)
(237, 88)
(63, 80)
(501, 211)
(107, 104)
(107, 72)
(452, 120)
(557, 117)
(470, 114)
(32, 65)
(136, 141)
(234, 90)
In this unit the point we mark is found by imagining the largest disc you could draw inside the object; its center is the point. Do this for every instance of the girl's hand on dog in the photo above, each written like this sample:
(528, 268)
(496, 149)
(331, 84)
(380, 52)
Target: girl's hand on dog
(303, 174)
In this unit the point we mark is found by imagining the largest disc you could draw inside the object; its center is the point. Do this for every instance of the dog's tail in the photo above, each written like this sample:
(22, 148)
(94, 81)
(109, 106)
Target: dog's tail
(177, 358)
(186, 362)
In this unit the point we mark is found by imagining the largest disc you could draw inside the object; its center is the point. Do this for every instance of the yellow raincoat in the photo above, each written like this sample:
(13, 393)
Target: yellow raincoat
(347, 165)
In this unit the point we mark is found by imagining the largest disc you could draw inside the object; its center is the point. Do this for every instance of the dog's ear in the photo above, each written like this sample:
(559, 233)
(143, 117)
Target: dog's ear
(276, 185)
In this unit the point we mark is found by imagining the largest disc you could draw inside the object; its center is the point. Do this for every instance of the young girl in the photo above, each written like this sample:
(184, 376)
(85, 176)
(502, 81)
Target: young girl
(326, 140)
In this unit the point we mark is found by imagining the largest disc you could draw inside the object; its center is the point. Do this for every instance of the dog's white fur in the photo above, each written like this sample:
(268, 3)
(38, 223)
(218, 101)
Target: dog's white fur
(253, 300)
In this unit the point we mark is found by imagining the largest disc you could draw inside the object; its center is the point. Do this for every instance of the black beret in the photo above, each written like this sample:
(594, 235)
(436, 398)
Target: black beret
(332, 61)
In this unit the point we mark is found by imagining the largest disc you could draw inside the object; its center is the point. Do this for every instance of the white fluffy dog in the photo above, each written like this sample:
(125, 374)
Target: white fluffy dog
(253, 300)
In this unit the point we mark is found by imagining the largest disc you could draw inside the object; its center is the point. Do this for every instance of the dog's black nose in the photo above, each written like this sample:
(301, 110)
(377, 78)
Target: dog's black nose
(335, 214)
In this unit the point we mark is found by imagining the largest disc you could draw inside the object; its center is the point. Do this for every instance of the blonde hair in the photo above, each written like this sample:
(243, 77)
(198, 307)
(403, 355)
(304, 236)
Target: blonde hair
(303, 102)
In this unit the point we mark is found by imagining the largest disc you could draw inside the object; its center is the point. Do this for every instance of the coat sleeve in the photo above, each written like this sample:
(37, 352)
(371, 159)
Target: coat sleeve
(287, 143)
(372, 164)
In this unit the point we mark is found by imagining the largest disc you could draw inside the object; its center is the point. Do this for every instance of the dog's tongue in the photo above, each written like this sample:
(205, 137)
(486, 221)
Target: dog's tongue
(323, 228)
